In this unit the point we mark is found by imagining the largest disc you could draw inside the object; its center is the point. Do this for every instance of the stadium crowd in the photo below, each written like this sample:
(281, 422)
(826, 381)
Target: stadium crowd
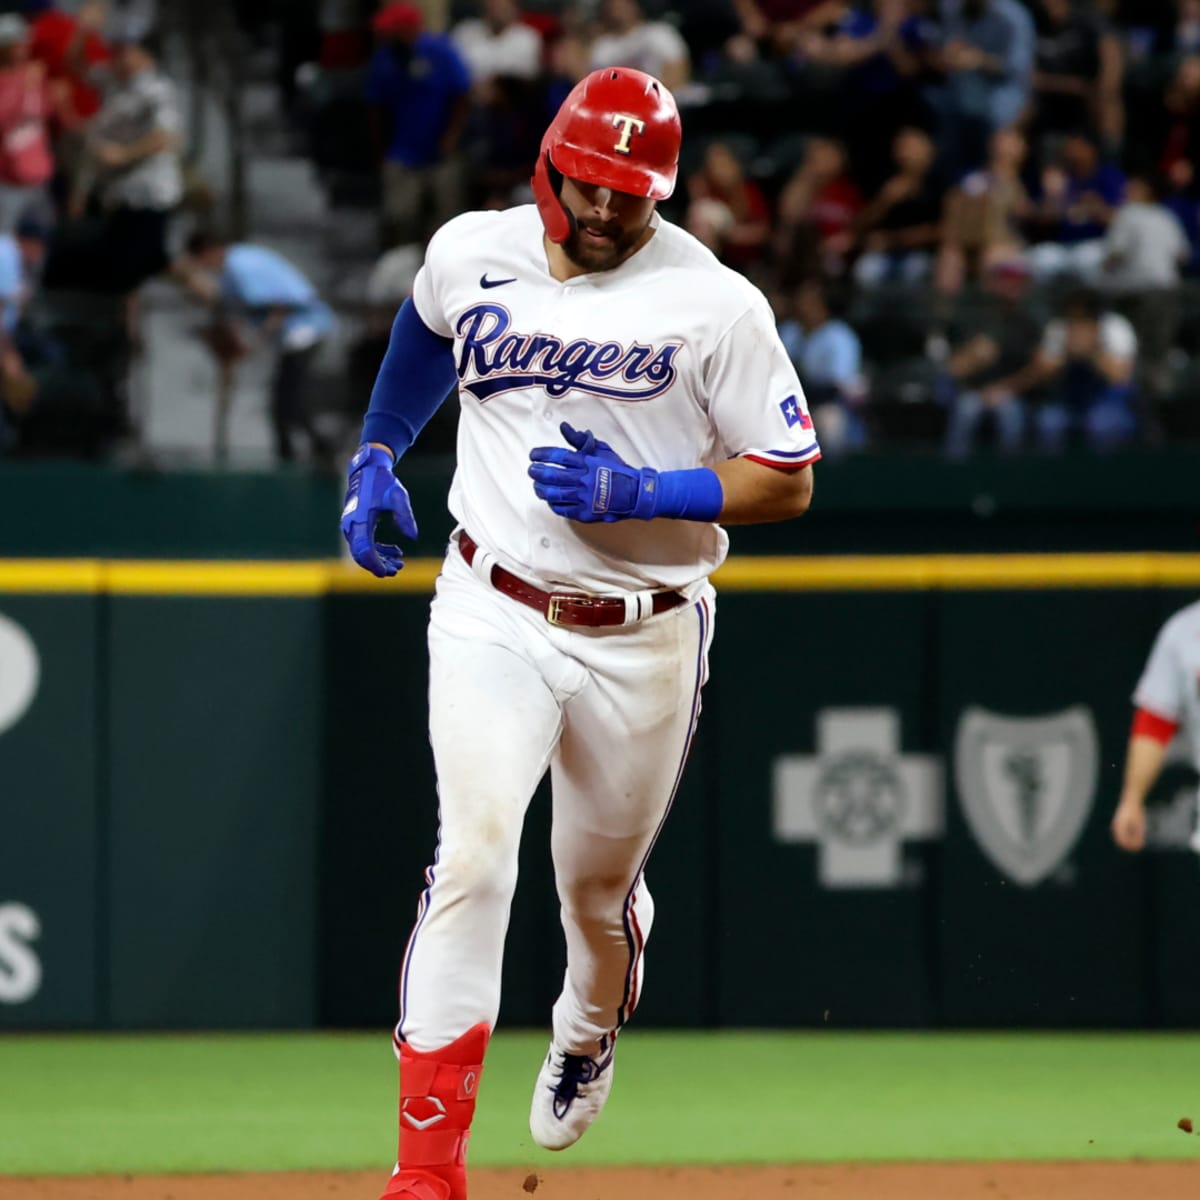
(978, 220)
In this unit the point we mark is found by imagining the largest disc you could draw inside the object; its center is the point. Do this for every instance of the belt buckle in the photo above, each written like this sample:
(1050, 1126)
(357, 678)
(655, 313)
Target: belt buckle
(554, 607)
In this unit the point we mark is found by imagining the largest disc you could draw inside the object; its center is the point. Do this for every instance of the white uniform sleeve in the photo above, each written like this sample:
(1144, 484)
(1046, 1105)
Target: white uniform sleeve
(1161, 687)
(428, 288)
(755, 399)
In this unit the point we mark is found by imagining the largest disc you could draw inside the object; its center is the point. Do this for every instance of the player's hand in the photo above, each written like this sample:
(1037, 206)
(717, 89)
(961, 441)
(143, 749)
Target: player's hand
(1129, 826)
(591, 482)
(373, 489)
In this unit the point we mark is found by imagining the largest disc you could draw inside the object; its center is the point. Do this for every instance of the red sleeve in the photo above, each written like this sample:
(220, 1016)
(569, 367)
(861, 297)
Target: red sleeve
(1150, 724)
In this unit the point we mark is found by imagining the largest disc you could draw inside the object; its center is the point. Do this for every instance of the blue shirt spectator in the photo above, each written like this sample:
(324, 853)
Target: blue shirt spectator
(829, 356)
(264, 288)
(878, 74)
(992, 42)
(418, 85)
(12, 283)
(1079, 197)
(261, 281)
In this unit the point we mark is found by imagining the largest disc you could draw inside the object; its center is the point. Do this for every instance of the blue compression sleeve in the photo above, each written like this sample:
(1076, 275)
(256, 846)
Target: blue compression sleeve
(688, 495)
(695, 495)
(416, 375)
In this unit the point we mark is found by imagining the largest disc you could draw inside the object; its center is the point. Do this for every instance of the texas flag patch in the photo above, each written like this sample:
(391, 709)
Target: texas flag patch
(793, 414)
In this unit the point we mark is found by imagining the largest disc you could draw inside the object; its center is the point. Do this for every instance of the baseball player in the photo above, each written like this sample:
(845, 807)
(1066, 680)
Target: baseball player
(1167, 697)
(623, 396)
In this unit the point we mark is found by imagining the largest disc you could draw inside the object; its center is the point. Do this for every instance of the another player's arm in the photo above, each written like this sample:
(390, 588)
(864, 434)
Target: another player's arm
(1144, 760)
(1159, 701)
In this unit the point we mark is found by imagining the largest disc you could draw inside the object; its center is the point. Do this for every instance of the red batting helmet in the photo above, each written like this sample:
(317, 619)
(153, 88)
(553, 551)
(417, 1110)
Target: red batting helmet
(618, 128)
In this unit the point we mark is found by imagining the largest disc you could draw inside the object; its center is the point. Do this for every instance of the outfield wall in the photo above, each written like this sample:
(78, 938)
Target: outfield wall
(216, 800)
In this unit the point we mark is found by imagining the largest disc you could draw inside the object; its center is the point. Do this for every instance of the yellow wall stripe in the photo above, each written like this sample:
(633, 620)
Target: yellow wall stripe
(46, 576)
(316, 577)
(214, 578)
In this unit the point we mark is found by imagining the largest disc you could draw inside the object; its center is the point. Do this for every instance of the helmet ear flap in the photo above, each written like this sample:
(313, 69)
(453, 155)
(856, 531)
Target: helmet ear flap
(547, 188)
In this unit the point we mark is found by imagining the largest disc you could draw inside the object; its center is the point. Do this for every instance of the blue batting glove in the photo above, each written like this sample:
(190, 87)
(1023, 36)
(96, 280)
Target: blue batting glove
(591, 482)
(373, 490)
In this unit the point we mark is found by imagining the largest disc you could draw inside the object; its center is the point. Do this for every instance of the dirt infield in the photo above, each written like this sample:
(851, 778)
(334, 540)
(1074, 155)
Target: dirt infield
(963, 1181)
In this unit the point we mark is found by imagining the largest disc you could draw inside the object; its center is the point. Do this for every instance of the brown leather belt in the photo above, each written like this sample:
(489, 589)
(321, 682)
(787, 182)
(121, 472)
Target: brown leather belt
(565, 608)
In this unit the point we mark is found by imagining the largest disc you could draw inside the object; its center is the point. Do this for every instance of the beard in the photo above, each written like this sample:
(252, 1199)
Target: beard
(619, 244)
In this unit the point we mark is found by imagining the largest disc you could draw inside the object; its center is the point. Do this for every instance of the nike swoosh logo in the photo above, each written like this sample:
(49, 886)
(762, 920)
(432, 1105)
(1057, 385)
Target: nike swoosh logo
(485, 282)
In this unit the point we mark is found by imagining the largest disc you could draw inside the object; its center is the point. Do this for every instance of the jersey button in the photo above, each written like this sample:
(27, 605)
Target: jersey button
(545, 543)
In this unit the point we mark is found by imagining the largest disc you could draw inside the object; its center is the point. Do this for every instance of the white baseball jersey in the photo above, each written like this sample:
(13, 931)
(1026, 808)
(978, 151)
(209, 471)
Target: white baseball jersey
(1170, 684)
(671, 358)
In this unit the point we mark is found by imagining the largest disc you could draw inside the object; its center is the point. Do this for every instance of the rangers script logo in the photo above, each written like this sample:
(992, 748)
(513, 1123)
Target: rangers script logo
(1027, 786)
(493, 360)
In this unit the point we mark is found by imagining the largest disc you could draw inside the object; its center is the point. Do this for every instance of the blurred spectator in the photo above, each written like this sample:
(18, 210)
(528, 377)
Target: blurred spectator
(1144, 254)
(1146, 246)
(1085, 365)
(1179, 196)
(727, 211)
(987, 58)
(1077, 71)
(130, 167)
(567, 64)
(53, 37)
(341, 37)
(1172, 127)
(389, 285)
(255, 285)
(882, 48)
(629, 40)
(818, 208)
(1079, 196)
(828, 358)
(991, 344)
(26, 108)
(983, 215)
(902, 225)
(1187, 27)
(21, 255)
(417, 86)
(499, 43)
(506, 122)
(772, 28)
(70, 50)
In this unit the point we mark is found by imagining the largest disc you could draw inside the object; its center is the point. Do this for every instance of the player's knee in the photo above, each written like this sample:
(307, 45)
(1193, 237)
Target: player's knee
(596, 897)
(481, 867)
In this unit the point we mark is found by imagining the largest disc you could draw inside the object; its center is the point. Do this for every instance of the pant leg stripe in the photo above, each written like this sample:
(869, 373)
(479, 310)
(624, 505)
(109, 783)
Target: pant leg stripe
(422, 913)
(633, 934)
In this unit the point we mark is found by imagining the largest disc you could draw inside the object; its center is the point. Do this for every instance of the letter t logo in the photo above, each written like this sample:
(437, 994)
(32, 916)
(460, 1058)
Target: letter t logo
(627, 125)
